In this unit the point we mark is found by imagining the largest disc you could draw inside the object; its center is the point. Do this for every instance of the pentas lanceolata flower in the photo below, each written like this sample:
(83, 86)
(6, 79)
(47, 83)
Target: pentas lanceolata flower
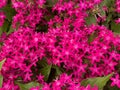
(116, 81)
(29, 12)
(2, 15)
(66, 44)
(3, 3)
(3, 37)
(117, 21)
(2, 18)
(9, 85)
(27, 48)
(35, 88)
(40, 2)
(117, 6)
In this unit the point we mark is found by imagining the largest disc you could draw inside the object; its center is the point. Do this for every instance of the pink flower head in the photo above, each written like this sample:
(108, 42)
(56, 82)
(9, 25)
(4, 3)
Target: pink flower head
(118, 6)
(2, 18)
(117, 21)
(2, 3)
(115, 81)
(41, 2)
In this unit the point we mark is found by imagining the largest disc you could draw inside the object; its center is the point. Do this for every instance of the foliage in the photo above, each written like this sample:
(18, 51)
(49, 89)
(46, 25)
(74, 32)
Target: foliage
(28, 85)
(99, 81)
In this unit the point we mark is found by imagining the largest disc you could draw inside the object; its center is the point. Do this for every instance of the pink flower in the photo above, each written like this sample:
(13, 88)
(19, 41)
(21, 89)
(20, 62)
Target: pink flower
(2, 18)
(40, 78)
(97, 1)
(3, 3)
(118, 6)
(117, 21)
(95, 70)
(41, 2)
(116, 81)
(66, 44)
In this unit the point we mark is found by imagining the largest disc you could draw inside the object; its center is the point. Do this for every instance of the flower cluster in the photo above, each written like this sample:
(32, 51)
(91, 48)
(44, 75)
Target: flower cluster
(27, 48)
(82, 50)
(29, 12)
(69, 44)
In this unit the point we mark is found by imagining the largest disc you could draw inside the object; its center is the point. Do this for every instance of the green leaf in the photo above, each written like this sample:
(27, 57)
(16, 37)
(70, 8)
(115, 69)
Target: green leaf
(1, 77)
(1, 80)
(115, 27)
(91, 20)
(109, 17)
(109, 87)
(108, 3)
(58, 70)
(113, 88)
(5, 26)
(92, 37)
(42, 63)
(9, 12)
(10, 30)
(46, 71)
(1, 64)
(99, 81)
(28, 85)
(102, 12)
(51, 3)
(1, 31)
